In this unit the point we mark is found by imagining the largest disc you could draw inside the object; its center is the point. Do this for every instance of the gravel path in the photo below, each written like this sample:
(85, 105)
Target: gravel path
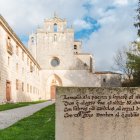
(9, 117)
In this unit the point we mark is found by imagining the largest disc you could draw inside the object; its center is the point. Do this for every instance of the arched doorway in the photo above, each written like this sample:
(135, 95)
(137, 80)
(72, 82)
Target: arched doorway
(54, 80)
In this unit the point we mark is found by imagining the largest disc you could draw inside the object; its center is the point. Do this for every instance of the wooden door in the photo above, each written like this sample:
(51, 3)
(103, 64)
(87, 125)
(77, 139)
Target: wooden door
(53, 90)
(8, 90)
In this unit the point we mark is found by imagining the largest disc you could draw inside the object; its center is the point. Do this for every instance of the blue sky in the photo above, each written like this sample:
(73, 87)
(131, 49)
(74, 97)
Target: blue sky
(85, 33)
(104, 26)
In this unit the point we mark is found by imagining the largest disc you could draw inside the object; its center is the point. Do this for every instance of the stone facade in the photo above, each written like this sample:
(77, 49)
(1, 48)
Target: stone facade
(54, 59)
(19, 71)
(54, 42)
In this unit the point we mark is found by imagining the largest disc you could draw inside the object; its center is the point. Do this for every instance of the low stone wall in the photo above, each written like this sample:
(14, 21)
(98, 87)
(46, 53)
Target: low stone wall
(97, 113)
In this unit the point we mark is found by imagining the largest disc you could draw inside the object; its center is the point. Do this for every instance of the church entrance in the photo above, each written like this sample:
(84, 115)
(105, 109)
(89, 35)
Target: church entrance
(53, 91)
(8, 90)
(54, 81)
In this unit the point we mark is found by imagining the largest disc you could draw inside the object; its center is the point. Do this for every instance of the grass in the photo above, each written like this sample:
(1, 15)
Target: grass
(39, 126)
(16, 105)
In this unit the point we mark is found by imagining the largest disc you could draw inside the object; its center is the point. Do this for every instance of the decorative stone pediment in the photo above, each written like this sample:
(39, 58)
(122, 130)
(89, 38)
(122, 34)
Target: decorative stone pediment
(55, 20)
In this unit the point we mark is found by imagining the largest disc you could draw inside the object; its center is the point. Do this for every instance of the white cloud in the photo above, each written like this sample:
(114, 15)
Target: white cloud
(116, 31)
(81, 24)
(121, 2)
(25, 15)
(116, 24)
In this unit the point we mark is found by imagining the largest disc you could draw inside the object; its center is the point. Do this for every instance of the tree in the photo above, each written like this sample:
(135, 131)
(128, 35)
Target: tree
(137, 23)
(134, 54)
(121, 64)
(134, 63)
(128, 60)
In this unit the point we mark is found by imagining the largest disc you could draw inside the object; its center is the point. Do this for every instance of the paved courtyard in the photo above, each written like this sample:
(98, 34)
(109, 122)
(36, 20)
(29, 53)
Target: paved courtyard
(9, 117)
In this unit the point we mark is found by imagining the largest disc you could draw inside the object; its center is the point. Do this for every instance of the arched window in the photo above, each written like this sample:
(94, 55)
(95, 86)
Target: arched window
(32, 40)
(75, 47)
(55, 27)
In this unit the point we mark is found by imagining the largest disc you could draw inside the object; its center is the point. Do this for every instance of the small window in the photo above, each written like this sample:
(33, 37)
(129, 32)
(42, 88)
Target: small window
(8, 60)
(17, 84)
(27, 87)
(85, 64)
(75, 47)
(30, 89)
(104, 80)
(9, 40)
(55, 27)
(32, 40)
(31, 67)
(17, 51)
(22, 86)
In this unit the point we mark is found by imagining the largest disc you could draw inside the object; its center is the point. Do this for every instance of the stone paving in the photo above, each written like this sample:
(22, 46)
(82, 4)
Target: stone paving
(9, 117)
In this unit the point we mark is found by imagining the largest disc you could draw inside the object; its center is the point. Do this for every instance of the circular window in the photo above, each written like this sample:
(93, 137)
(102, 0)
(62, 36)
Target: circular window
(55, 62)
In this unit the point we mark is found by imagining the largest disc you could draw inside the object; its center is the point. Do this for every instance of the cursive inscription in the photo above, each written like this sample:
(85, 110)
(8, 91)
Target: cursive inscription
(115, 105)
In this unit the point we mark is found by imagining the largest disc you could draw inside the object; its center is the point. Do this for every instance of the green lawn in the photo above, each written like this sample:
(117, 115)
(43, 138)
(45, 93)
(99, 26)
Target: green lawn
(16, 105)
(39, 126)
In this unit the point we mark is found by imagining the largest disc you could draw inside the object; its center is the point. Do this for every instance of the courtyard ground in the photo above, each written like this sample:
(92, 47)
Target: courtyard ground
(39, 126)
(9, 117)
(8, 106)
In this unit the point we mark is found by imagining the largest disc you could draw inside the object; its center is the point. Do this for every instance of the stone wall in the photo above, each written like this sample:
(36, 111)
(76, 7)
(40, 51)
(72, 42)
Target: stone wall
(97, 113)
(73, 67)
(69, 78)
(16, 65)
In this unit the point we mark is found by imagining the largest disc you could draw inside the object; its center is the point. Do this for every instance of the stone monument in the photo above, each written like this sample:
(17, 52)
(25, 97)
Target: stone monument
(97, 113)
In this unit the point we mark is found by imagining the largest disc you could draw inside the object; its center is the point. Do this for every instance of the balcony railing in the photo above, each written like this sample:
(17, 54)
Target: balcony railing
(9, 48)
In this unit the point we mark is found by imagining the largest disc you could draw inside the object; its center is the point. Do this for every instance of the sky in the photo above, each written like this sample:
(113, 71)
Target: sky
(103, 26)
